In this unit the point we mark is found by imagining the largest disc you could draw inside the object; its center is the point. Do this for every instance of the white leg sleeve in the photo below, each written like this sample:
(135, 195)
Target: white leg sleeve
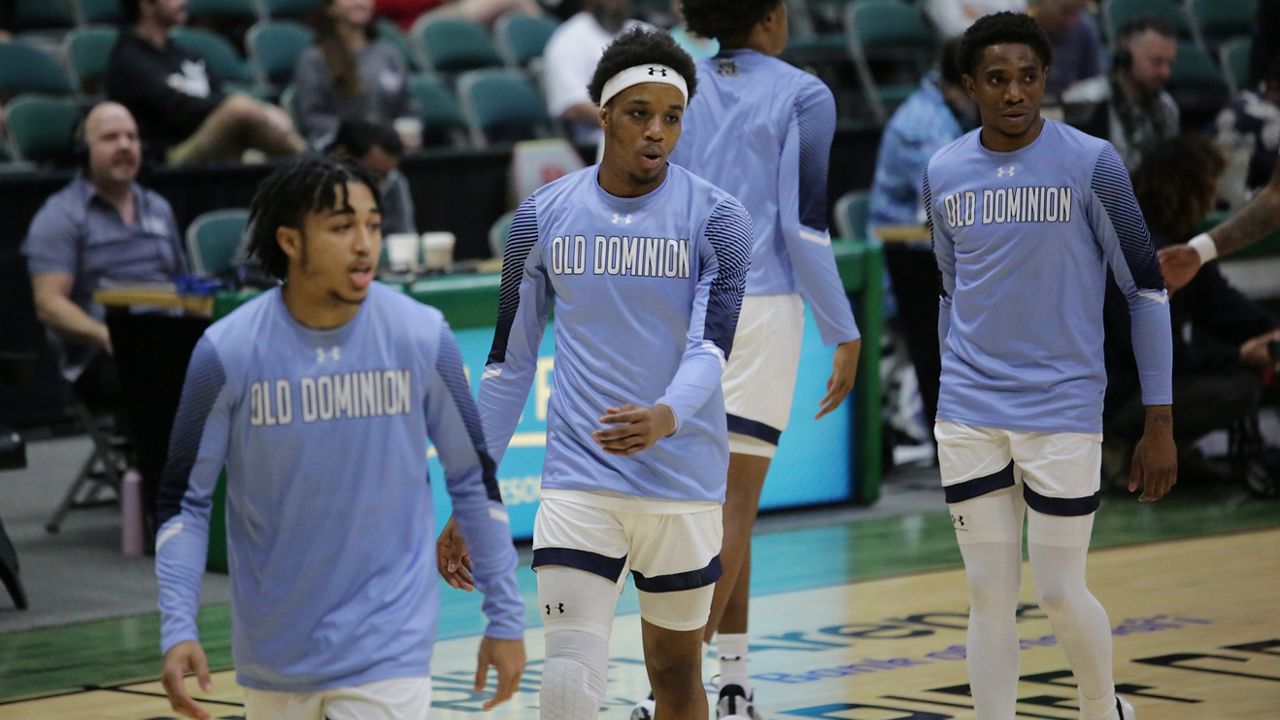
(577, 614)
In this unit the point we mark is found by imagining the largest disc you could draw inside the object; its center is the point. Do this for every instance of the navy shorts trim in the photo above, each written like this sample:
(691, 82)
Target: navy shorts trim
(691, 580)
(970, 489)
(1062, 507)
(609, 568)
(753, 428)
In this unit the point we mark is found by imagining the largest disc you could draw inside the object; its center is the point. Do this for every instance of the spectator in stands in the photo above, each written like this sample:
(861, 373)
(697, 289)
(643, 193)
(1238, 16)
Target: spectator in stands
(697, 46)
(377, 148)
(1075, 40)
(937, 113)
(405, 12)
(350, 74)
(1139, 112)
(181, 111)
(1219, 335)
(953, 17)
(103, 226)
(1248, 132)
(570, 58)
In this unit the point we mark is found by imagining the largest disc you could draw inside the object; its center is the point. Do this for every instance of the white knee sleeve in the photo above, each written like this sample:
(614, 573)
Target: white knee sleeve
(577, 618)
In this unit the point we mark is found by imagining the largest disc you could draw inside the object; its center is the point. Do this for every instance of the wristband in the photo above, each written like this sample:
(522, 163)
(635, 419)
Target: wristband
(1204, 247)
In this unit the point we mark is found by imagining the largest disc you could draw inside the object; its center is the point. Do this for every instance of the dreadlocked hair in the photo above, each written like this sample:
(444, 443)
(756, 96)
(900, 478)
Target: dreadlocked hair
(726, 20)
(284, 198)
(640, 46)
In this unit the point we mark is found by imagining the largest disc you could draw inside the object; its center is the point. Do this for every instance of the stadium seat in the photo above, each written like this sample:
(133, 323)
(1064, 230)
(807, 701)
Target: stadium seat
(501, 106)
(1220, 20)
(1118, 13)
(499, 232)
(274, 49)
(41, 15)
(41, 128)
(291, 9)
(851, 215)
(27, 69)
(1234, 57)
(390, 32)
(214, 239)
(453, 45)
(220, 56)
(521, 38)
(442, 119)
(888, 32)
(1195, 81)
(222, 9)
(104, 12)
(88, 50)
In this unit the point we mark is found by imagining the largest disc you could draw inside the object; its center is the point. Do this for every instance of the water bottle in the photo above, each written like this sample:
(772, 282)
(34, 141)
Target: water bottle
(131, 513)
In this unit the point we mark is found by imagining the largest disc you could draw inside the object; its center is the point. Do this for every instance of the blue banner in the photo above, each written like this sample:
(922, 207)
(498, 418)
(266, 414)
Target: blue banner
(814, 463)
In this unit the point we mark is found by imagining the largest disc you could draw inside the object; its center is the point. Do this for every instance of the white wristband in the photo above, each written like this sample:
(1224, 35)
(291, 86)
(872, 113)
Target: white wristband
(1204, 247)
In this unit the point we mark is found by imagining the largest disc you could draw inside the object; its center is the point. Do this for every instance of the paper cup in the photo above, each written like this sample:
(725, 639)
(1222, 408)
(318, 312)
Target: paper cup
(402, 252)
(437, 249)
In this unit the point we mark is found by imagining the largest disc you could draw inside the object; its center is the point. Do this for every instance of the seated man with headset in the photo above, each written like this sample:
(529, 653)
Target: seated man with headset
(102, 226)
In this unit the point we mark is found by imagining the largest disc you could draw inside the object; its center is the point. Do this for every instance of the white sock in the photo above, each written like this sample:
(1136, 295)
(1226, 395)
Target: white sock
(1079, 623)
(993, 570)
(732, 649)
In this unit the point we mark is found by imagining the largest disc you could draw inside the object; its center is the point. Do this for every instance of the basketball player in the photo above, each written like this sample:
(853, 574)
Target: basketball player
(644, 264)
(1027, 214)
(318, 398)
(762, 130)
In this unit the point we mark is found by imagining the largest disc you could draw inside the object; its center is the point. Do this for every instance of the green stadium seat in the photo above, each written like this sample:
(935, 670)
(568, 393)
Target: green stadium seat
(1221, 20)
(88, 51)
(220, 56)
(27, 69)
(274, 49)
(41, 128)
(390, 32)
(222, 9)
(851, 215)
(1118, 13)
(501, 106)
(1195, 80)
(100, 12)
(41, 15)
(1234, 57)
(214, 239)
(521, 38)
(453, 45)
(893, 34)
(442, 120)
(291, 9)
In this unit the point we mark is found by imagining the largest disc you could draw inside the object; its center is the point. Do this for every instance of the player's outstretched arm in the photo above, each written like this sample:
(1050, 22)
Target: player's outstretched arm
(197, 450)
(1154, 469)
(186, 658)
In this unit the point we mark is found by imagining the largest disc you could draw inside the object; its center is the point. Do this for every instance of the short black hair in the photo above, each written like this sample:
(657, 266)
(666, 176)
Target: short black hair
(725, 19)
(640, 46)
(948, 62)
(1001, 28)
(304, 185)
(358, 137)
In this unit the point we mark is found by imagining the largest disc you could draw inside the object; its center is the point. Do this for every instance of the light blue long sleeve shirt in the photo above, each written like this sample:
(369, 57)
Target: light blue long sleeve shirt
(646, 293)
(762, 130)
(323, 435)
(1023, 241)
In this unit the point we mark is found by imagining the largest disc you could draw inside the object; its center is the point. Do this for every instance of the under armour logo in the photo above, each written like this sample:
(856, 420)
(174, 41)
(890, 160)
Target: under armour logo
(1005, 171)
(334, 353)
(958, 522)
(624, 219)
(658, 71)
(726, 67)
(559, 608)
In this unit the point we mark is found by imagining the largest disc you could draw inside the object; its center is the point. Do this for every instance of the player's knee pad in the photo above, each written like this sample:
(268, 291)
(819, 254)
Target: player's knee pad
(574, 676)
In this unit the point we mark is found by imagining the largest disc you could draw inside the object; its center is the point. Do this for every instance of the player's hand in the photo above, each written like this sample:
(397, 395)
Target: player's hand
(507, 657)
(1254, 353)
(632, 428)
(844, 370)
(186, 657)
(1178, 264)
(453, 560)
(1155, 459)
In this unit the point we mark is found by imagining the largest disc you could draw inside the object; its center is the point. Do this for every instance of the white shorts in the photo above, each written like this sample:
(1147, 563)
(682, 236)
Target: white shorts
(667, 552)
(1060, 472)
(395, 699)
(760, 379)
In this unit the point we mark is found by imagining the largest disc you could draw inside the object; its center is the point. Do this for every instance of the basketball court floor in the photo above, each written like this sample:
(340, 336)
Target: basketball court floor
(851, 621)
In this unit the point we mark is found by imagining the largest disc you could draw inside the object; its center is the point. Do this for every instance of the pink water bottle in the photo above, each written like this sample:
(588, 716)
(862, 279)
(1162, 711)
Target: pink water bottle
(131, 513)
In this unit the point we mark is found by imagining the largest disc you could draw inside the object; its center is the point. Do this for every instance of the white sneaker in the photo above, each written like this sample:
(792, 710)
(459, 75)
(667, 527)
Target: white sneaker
(1124, 709)
(734, 704)
(644, 709)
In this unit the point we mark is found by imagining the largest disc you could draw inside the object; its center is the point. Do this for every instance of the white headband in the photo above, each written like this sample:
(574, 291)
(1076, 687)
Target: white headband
(643, 74)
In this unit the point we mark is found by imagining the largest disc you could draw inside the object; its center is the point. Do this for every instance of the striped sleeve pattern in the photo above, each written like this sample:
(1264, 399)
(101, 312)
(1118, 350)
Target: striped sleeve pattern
(524, 235)
(204, 382)
(1112, 185)
(449, 366)
(729, 234)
